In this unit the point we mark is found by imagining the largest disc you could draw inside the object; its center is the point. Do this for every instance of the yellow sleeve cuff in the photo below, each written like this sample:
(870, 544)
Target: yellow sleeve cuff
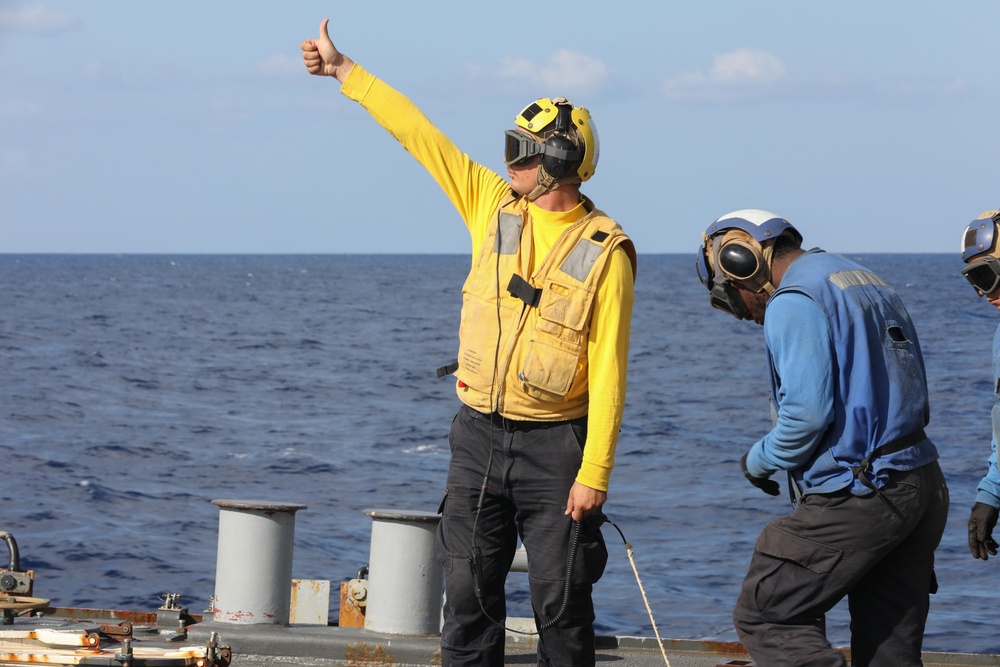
(594, 475)
(357, 84)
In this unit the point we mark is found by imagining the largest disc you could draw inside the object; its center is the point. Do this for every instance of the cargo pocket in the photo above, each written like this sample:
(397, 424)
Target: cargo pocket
(791, 574)
(592, 554)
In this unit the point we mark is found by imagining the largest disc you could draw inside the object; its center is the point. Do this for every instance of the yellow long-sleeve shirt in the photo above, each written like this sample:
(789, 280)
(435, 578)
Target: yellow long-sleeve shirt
(476, 192)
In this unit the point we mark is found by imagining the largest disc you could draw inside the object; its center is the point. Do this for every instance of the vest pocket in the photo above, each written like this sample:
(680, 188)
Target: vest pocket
(565, 306)
(552, 360)
(548, 370)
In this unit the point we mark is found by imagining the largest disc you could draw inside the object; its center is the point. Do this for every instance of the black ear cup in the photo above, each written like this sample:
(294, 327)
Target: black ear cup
(558, 167)
(739, 261)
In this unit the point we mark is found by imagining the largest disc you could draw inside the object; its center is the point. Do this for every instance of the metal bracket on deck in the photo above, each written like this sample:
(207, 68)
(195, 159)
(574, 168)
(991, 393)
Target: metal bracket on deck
(14, 580)
(171, 618)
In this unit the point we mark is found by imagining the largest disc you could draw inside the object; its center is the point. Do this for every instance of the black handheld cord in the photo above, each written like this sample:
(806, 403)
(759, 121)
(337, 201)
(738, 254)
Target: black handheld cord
(574, 542)
(475, 561)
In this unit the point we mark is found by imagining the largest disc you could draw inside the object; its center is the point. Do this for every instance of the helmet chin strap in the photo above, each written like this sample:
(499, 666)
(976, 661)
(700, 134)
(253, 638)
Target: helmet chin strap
(546, 182)
(768, 254)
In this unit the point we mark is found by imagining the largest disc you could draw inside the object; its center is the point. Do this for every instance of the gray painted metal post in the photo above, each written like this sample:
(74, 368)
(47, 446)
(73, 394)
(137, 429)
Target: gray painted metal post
(404, 577)
(253, 570)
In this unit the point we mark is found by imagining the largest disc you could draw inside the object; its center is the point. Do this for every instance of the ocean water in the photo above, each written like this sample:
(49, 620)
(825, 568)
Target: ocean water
(136, 389)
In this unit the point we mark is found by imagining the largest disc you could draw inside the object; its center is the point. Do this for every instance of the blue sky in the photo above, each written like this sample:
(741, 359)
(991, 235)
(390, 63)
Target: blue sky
(192, 127)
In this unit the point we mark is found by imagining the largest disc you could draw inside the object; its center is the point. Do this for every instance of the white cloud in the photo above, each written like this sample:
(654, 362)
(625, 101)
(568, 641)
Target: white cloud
(565, 72)
(754, 74)
(280, 65)
(739, 74)
(747, 65)
(35, 19)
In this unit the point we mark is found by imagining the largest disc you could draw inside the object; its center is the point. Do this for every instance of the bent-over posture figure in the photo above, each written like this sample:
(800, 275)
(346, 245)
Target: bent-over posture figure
(849, 402)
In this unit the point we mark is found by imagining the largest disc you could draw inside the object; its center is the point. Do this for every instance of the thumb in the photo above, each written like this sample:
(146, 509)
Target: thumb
(327, 51)
(324, 33)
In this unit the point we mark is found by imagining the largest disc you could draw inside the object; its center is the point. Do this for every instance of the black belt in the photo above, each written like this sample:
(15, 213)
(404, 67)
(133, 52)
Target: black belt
(512, 425)
(891, 447)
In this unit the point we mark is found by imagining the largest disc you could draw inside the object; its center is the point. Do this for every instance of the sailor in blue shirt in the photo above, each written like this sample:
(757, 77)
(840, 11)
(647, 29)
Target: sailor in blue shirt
(982, 258)
(849, 404)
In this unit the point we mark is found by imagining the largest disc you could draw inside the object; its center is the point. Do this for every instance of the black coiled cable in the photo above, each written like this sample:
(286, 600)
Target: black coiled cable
(574, 541)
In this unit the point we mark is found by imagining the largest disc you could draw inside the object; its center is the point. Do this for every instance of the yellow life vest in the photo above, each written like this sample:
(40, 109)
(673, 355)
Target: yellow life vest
(523, 339)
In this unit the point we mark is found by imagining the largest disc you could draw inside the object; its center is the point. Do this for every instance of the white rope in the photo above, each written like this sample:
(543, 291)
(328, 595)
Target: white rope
(631, 559)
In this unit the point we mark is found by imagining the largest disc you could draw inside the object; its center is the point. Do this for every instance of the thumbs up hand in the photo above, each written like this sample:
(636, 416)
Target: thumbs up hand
(322, 58)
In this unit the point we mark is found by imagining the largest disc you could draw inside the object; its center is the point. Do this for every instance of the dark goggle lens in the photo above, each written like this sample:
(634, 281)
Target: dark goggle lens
(984, 276)
(518, 147)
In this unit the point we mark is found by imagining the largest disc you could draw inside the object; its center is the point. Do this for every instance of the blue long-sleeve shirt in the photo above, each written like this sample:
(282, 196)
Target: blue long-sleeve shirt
(847, 380)
(989, 487)
(798, 337)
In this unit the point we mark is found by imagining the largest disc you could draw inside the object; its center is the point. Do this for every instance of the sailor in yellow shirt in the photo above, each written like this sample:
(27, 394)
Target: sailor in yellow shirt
(541, 372)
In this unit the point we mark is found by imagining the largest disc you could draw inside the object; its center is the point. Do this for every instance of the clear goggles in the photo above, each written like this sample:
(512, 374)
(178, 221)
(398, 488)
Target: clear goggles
(983, 275)
(519, 147)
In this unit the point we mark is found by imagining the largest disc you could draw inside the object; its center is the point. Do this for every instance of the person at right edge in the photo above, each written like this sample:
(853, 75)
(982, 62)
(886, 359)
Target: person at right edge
(849, 405)
(541, 372)
(981, 255)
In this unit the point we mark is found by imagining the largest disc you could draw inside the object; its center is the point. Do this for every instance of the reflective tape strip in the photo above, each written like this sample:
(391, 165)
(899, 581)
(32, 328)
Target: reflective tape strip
(581, 259)
(856, 278)
(508, 234)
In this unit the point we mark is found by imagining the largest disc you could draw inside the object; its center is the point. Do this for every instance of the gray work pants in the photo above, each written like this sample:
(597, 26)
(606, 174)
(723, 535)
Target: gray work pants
(877, 550)
(532, 469)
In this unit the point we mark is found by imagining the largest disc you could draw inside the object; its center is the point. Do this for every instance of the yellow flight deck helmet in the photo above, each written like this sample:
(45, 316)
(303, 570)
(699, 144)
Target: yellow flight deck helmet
(563, 135)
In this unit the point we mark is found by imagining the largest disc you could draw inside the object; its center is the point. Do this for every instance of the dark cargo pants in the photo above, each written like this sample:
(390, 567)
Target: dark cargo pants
(877, 550)
(533, 467)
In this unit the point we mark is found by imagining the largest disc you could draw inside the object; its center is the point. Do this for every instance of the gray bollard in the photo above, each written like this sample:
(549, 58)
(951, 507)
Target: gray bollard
(253, 570)
(404, 578)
